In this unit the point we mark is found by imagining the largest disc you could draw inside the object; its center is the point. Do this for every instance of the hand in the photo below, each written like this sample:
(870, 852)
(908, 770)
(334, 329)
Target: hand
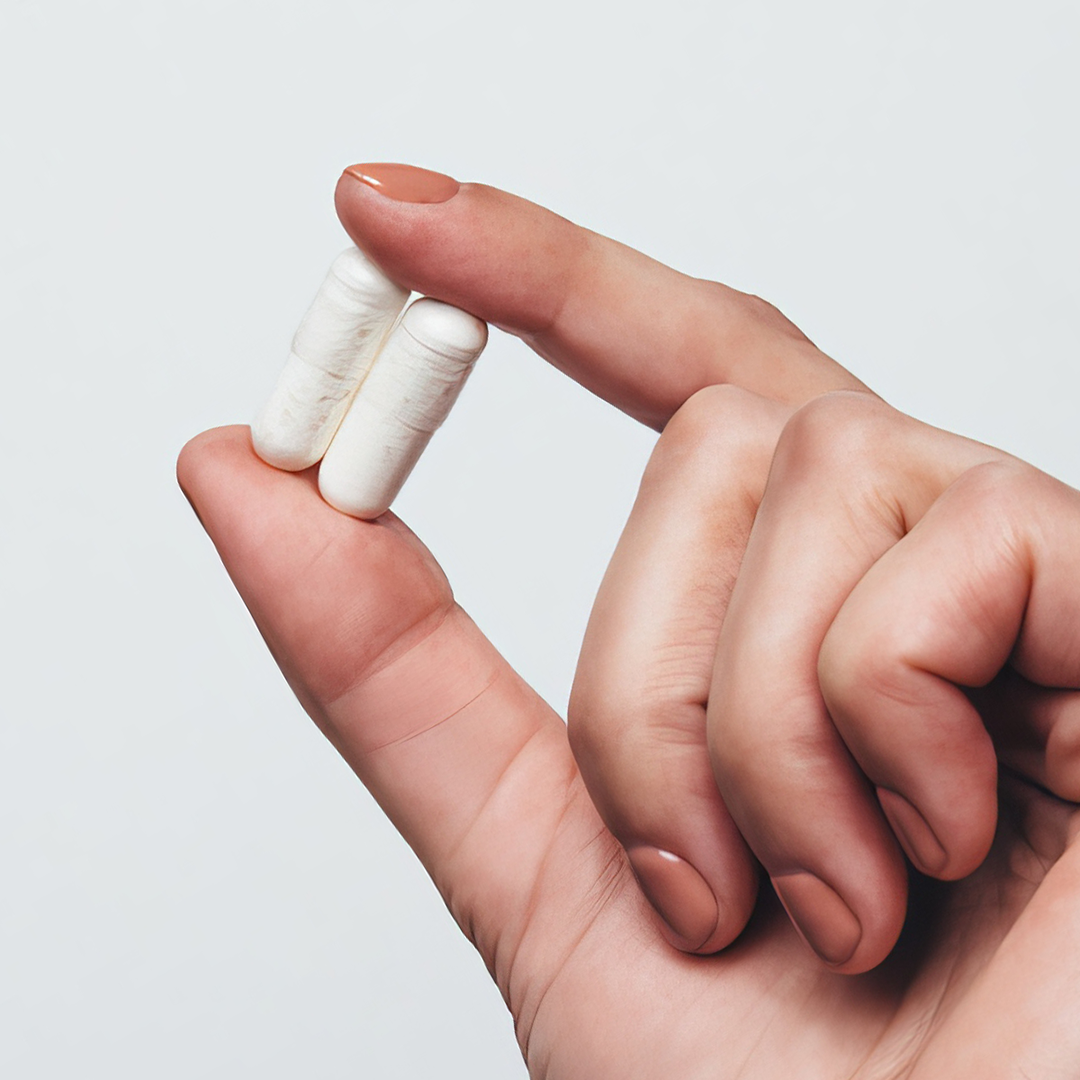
(476, 772)
(697, 716)
(698, 801)
(306, 619)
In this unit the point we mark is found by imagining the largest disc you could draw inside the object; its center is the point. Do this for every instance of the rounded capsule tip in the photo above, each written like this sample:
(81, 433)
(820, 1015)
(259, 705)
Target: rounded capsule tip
(442, 326)
(360, 274)
(342, 495)
(288, 450)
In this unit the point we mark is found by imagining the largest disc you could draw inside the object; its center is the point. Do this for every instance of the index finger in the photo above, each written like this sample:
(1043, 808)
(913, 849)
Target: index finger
(633, 331)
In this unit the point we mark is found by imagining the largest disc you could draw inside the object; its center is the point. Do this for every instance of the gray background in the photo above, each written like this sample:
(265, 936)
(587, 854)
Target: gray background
(192, 883)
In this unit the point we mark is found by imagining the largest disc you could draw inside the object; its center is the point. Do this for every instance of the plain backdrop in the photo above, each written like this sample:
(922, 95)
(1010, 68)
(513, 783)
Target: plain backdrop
(191, 882)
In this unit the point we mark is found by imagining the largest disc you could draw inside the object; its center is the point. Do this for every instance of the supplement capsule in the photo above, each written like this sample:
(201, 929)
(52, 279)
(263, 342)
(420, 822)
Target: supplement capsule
(334, 346)
(406, 396)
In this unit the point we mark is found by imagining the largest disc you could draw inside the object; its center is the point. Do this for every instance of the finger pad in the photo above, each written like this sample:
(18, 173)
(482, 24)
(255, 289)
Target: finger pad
(332, 595)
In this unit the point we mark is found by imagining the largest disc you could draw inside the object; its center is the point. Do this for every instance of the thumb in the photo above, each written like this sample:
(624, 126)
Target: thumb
(471, 766)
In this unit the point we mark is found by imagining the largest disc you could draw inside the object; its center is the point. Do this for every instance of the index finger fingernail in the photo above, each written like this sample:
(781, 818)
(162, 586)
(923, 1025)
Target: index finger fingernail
(405, 183)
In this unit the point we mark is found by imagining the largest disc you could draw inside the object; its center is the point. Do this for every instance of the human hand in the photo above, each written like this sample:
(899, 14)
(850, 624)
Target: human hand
(569, 343)
(476, 772)
(815, 706)
(849, 478)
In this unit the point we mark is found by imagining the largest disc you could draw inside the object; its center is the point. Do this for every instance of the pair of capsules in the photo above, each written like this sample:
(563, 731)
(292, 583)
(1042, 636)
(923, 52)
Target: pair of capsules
(365, 386)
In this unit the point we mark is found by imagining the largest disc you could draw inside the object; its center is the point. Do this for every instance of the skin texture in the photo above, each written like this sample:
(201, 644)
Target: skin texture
(761, 720)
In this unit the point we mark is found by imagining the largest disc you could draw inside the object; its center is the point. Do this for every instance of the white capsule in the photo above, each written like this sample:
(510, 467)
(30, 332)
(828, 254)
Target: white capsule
(333, 348)
(406, 396)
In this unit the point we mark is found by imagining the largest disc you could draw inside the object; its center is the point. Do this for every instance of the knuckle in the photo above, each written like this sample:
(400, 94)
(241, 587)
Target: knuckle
(841, 431)
(768, 315)
(749, 315)
(861, 667)
(851, 664)
(717, 423)
(1006, 485)
(1005, 498)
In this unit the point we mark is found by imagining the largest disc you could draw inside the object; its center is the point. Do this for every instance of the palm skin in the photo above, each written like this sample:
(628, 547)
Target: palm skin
(476, 772)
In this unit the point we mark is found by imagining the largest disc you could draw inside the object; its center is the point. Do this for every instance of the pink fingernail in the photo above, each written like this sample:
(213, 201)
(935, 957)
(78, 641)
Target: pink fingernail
(911, 829)
(826, 923)
(680, 895)
(405, 183)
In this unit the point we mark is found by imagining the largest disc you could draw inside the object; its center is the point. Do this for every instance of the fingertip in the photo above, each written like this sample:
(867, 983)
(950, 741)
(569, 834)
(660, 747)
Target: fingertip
(657, 797)
(825, 921)
(1063, 765)
(695, 916)
(374, 223)
(207, 449)
(849, 934)
(735, 906)
(422, 243)
(501, 257)
(238, 497)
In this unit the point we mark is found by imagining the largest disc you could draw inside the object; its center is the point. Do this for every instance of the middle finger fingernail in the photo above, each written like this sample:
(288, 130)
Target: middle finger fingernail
(821, 916)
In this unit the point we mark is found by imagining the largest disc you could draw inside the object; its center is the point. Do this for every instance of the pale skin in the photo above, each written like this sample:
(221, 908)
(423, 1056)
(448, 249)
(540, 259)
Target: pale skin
(804, 583)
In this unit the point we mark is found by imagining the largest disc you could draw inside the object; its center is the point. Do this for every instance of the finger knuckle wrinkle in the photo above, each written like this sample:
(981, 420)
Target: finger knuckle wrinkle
(746, 760)
(654, 714)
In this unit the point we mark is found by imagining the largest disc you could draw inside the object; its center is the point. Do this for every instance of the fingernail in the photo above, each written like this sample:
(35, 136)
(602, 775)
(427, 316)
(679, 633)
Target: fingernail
(405, 183)
(826, 923)
(679, 893)
(918, 839)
